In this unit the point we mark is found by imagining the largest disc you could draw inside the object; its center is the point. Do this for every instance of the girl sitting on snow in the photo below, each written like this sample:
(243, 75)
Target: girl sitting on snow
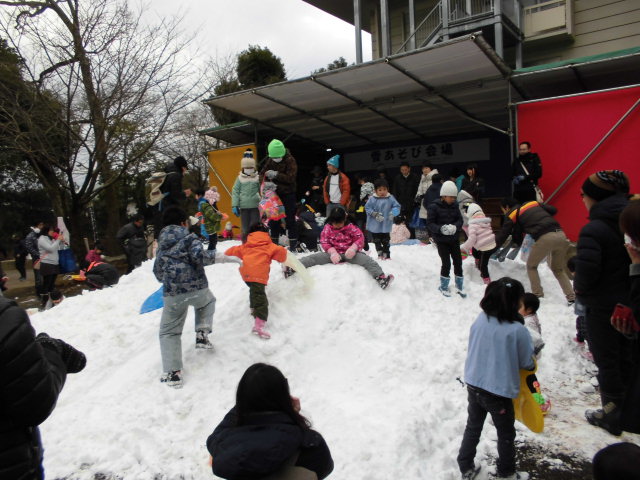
(342, 242)
(499, 339)
(481, 241)
(399, 232)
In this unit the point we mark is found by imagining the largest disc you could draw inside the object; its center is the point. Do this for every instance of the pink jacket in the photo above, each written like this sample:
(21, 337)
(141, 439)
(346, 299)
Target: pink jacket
(341, 238)
(399, 233)
(481, 236)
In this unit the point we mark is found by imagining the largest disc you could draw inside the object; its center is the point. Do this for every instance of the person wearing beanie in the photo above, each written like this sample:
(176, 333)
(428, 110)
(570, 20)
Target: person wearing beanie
(405, 188)
(481, 241)
(444, 222)
(281, 169)
(336, 186)
(245, 194)
(212, 218)
(527, 171)
(601, 281)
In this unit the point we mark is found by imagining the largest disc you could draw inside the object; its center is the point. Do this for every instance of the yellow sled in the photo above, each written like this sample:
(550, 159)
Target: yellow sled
(527, 410)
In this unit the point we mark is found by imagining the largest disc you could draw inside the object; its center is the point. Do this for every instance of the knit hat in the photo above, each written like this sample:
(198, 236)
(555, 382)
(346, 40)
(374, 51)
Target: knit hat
(247, 159)
(472, 209)
(180, 162)
(605, 183)
(334, 161)
(276, 149)
(212, 196)
(449, 189)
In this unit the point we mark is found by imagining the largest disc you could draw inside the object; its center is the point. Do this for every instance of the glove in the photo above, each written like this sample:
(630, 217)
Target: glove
(236, 211)
(351, 251)
(448, 229)
(518, 179)
(270, 174)
(395, 211)
(379, 217)
(74, 359)
(334, 256)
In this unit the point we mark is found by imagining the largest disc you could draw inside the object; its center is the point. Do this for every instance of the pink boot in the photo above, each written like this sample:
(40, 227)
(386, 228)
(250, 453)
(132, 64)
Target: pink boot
(260, 329)
(486, 280)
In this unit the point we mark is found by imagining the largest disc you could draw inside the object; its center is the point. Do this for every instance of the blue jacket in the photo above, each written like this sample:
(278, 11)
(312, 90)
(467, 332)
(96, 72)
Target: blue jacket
(496, 354)
(388, 206)
(180, 261)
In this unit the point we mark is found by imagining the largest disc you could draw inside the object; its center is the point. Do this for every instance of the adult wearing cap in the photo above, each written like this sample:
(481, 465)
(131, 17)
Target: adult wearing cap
(336, 187)
(281, 169)
(601, 281)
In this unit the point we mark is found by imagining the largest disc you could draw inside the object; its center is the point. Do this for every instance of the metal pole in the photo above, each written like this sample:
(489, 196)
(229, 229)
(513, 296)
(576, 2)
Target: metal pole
(412, 25)
(593, 150)
(511, 133)
(357, 22)
(384, 28)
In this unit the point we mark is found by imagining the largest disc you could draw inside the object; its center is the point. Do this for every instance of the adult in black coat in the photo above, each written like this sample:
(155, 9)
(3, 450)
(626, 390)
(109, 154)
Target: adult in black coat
(404, 188)
(601, 281)
(473, 184)
(100, 275)
(264, 433)
(33, 371)
(133, 242)
(173, 193)
(527, 171)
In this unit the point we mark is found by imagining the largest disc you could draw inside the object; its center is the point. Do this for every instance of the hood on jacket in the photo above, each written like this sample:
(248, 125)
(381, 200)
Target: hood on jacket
(609, 209)
(258, 239)
(171, 238)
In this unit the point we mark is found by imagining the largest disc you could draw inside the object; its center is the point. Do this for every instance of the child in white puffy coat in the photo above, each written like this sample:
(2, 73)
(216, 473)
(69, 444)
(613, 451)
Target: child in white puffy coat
(481, 242)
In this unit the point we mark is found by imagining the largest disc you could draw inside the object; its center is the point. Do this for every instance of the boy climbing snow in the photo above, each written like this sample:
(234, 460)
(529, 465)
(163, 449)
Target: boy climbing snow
(381, 208)
(256, 254)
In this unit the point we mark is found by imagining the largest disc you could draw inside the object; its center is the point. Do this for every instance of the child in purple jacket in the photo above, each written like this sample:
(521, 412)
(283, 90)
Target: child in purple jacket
(342, 242)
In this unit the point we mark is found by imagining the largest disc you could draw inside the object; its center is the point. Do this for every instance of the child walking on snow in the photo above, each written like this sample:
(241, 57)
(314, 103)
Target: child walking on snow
(256, 254)
(381, 208)
(481, 241)
(444, 222)
(342, 242)
(499, 346)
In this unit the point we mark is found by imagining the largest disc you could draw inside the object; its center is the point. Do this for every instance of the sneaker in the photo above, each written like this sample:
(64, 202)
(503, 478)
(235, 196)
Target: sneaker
(608, 420)
(173, 379)
(260, 329)
(202, 340)
(384, 280)
(515, 476)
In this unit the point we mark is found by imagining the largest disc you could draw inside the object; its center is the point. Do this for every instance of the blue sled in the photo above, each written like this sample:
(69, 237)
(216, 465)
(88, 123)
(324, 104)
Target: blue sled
(153, 301)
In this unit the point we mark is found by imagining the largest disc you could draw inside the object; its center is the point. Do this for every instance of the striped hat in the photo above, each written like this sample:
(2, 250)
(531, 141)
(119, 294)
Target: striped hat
(605, 183)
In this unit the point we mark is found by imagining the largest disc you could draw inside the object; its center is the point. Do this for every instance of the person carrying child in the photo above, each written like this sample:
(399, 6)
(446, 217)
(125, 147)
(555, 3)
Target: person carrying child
(256, 255)
(529, 311)
(481, 241)
(342, 242)
(499, 347)
(444, 222)
(381, 208)
(245, 194)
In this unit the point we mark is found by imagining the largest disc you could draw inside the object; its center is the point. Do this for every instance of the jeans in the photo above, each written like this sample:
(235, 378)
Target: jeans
(482, 402)
(174, 314)
(446, 250)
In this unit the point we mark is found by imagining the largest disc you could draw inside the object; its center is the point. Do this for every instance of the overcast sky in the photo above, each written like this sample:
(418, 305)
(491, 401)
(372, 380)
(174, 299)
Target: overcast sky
(304, 37)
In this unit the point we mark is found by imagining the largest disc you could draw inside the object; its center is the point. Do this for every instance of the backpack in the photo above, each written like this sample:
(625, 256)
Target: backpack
(153, 194)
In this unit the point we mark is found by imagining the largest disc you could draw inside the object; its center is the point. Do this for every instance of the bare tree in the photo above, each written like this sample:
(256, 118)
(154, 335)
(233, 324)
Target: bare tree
(117, 82)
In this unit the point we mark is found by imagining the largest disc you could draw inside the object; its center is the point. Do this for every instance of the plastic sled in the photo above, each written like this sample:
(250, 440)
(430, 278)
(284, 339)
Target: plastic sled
(294, 263)
(153, 301)
(527, 410)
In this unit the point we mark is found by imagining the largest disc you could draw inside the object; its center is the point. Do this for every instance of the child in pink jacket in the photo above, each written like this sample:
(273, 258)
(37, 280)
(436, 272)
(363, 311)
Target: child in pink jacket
(342, 242)
(482, 241)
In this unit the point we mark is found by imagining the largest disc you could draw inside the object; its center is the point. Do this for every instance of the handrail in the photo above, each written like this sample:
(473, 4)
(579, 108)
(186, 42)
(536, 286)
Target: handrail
(438, 8)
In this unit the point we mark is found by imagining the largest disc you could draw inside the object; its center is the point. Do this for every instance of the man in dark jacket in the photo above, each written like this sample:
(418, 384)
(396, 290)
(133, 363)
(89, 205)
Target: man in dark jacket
(526, 173)
(537, 220)
(33, 371)
(173, 193)
(133, 242)
(405, 187)
(31, 244)
(601, 281)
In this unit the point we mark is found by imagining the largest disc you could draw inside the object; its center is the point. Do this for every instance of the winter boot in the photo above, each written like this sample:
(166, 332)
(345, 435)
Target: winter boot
(444, 286)
(471, 474)
(172, 379)
(515, 476)
(607, 417)
(260, 329)
(44, 298)
(293, 245)
(486, 280)
(384, 280)
(460, 287)
(202, 340)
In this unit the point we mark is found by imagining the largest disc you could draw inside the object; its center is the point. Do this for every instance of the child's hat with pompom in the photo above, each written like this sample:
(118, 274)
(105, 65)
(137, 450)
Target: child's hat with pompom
(212, 195)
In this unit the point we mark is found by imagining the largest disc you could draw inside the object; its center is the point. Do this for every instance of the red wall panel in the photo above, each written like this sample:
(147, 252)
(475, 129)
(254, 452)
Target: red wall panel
(563, 131)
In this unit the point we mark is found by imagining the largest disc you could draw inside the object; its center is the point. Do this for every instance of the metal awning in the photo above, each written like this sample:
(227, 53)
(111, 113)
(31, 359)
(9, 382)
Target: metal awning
(459, 86)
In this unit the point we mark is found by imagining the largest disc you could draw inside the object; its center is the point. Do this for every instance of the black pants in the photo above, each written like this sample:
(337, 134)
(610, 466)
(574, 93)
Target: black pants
(48, 283)
(482, 402)
(381, 241)
(275, 229)
(484, 260)
(446, 250)
(37, 276)
(213, 241)
(612, 352)
(20, 261)
(258, 300)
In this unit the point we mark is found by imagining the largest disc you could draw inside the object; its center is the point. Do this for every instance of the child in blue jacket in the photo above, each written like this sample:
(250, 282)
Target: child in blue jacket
(381, 208)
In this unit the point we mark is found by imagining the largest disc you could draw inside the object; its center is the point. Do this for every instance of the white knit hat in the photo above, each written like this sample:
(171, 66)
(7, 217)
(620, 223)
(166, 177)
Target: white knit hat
(449, 189)
(247, 160)
(472, 209)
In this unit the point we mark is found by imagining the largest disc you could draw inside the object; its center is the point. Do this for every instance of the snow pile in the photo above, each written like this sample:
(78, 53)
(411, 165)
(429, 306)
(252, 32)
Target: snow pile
(376, 371)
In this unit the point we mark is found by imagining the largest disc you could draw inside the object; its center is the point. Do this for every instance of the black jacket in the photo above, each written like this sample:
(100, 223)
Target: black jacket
(431, 195)
(440, 213)
(172, 187)
(102, 275)
(602, 263)
(31, 378)
(133, 242)
(405, 189)
(262, 447)
(286, 178)
(474, 187)
(31, 244)
(536, 221)
(532, 163)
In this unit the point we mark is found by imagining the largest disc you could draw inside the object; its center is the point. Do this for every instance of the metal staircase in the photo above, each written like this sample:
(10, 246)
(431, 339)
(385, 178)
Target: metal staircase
(428, 30)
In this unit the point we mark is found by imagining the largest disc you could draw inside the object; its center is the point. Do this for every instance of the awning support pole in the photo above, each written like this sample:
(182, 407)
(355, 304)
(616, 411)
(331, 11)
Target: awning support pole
(357, 21)
(593, 150)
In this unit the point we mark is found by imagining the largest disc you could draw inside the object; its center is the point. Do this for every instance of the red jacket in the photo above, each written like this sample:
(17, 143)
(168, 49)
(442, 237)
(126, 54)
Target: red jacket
(345, 189)
(256, 257)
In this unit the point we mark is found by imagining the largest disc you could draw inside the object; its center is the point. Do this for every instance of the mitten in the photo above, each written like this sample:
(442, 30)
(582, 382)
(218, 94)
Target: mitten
(74, 359)
(351, 251)
(379, 217)
(236, 211)
(395, 211)
(270, 174)
(334, 256)
(448, 229)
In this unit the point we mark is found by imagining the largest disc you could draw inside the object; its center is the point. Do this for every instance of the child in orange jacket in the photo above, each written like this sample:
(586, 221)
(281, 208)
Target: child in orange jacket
(256, 255)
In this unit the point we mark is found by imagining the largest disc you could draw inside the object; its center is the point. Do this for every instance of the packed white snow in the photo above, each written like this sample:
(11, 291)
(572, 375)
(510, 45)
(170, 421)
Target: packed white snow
(377, 372)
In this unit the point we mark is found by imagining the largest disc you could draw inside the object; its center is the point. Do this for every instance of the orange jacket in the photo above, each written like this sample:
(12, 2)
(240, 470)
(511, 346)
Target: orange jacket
(256, 256)
(345, 189)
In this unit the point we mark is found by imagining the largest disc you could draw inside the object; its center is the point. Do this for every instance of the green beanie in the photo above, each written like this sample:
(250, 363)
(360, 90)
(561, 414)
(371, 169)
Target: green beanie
(276, 149)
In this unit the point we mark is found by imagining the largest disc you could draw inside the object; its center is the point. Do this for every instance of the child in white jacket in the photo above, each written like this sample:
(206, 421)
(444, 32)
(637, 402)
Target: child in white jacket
(481, 242)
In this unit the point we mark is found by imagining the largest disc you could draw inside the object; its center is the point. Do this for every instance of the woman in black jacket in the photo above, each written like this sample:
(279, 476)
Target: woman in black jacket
(264, 432)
